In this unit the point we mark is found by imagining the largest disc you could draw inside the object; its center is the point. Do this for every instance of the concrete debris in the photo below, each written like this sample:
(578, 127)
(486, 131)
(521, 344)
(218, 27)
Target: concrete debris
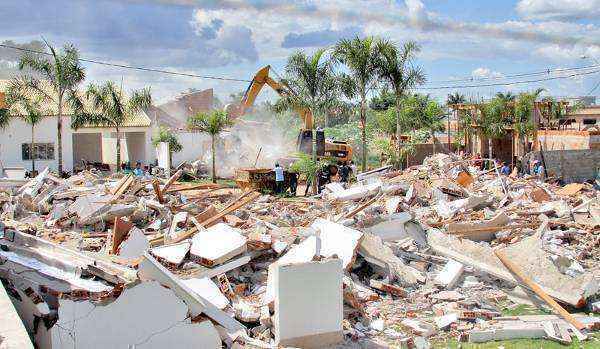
(402, 258)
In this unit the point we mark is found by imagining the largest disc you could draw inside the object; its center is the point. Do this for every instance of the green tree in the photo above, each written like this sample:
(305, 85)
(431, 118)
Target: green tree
(397, 69)
(165, 135)
(361, 57)
(314, 86)
(27, 107)
(213, 123)
(493, 120)
(452, 102)
(110, 107)
(431, 120)
(506, 96)
(524, 107)
(383, 101)
(62, 73)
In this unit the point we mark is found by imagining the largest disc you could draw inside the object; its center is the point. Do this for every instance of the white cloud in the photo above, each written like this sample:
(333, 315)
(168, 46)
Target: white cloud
(558, 9)
(482, 72)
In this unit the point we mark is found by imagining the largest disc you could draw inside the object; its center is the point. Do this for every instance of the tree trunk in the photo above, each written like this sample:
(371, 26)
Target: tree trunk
(118, 151)
(490, 148)
(433, 143)
(363, 121)
(398, 132)
(448, 132)
(32, 150)
(214, 163)
(59, 134)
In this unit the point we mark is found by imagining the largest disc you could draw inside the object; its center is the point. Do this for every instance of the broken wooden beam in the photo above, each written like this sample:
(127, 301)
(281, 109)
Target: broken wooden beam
(216, 218)
(359, 208)
(172, 180)
(538, 291)
(157, 191)
(123, 188)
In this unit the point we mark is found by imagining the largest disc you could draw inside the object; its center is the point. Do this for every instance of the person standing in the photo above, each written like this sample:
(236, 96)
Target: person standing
(344, 172)
(278, 179)
(505, 170)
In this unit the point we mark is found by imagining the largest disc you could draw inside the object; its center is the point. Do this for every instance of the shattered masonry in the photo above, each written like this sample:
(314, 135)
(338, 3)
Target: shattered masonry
(437, 252)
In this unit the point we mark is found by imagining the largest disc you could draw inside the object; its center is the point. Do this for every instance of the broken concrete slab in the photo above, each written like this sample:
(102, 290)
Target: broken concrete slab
(209, 290)
(173, 254)
(151, 269)
(372, 248)
(450, 274)
(337, 239)
(144, 315)
(529, 254)
(217, 244)
(134, 245)
(308, 317)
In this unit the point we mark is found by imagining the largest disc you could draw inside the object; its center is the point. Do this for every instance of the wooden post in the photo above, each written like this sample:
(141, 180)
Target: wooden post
(538, 290)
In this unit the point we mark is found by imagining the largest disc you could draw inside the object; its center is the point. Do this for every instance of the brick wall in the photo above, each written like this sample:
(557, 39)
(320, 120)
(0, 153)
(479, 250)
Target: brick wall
(571, 165)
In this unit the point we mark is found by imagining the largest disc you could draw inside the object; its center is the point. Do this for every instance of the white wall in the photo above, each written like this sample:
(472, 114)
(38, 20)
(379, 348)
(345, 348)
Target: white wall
(195, 146)
(19, 132)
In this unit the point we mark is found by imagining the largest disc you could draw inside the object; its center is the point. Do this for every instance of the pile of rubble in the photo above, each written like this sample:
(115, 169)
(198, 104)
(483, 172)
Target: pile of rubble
(436, 253)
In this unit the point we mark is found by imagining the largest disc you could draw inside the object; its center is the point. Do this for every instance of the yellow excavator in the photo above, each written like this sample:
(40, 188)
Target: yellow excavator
(338, 150)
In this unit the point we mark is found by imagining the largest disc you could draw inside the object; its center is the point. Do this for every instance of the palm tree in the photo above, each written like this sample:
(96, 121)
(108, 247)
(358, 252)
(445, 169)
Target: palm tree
(111, 108)
(523, 113)
(493, 120)
(361, 58)
(313, 86)
(27, 107)
(506, 97)
(62, 72)
(397, 69)
(213, 123)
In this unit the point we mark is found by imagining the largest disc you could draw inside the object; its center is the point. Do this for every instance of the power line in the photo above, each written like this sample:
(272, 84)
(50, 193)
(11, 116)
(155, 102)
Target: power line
(508, 83)
(516, 75)
(130, 66)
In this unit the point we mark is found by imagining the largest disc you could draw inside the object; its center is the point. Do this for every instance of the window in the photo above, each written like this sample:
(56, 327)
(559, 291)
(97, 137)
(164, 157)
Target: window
(43, 151)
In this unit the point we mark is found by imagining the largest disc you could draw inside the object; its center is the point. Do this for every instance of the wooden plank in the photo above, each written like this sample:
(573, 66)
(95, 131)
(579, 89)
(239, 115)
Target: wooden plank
(123, 188)
(120, 230)
(171, 180)
(157, 191)
(359, 208)
(216, 218)
(119, 184)
(538, 291)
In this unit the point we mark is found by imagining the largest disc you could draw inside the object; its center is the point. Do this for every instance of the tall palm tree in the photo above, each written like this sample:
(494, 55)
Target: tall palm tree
(110, 107)
(313, 83)
(493, 120)
(523, 114)
(213, 123)
(62, 72)
(29, 108)
(166, 135)
(397, 69)
(361, 58)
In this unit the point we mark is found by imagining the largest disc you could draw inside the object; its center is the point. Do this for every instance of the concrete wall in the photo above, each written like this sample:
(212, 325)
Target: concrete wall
(87, 146)
(308, 317)
(195, 146)
(568, 139)
(571, 165)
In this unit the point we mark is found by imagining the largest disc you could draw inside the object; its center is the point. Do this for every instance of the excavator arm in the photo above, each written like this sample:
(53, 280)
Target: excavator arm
(258, 82)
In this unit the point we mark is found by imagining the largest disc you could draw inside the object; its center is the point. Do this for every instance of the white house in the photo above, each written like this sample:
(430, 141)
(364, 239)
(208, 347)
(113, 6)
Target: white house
(93, 144)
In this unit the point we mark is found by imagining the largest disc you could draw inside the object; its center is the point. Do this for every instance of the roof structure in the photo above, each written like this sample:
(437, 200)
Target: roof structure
(50, 109)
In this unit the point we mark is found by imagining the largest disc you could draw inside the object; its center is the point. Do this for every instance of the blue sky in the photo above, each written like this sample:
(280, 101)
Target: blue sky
(233, 38)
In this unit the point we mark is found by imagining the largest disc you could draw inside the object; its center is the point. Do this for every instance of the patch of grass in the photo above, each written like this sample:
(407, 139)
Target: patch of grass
(592, 343)
(523, 309)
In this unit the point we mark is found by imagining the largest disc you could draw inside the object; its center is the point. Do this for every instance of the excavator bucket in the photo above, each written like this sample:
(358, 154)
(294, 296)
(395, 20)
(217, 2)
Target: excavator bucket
(305, 140)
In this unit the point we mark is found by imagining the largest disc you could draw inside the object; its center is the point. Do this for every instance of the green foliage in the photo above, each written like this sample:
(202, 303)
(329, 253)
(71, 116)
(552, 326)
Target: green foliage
(383, 101)
(455, 98)
(305, 165)
(212, 123)
(165, 135)
(523, 112)
(4, 118)
(110, 107)
(493, 118)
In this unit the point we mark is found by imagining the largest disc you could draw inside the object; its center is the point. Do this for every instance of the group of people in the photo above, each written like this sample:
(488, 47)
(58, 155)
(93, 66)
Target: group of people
(324, 175)
(534, 168)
